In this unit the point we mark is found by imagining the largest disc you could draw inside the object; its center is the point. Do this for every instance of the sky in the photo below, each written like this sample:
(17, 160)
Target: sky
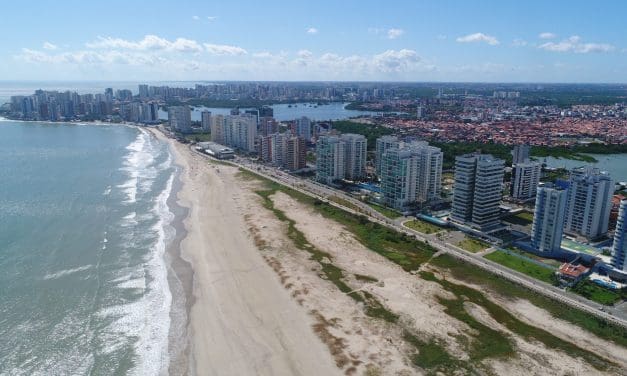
(323, 40)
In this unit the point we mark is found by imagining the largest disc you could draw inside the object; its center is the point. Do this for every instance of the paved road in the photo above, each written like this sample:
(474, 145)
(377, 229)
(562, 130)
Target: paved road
(323, 192)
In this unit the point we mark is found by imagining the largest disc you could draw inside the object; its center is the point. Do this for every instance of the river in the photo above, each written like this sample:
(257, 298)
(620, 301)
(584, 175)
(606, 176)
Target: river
(615, 164)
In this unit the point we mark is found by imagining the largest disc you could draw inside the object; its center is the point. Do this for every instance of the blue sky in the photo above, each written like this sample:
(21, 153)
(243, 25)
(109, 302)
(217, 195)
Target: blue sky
(487, 41)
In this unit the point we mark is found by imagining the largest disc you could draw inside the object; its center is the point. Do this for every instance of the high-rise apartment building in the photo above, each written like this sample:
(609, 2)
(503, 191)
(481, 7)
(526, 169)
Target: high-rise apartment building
(180, 119)
(525, 179)
(383, 143)
(548, 219)
(218, 129)
(295, 154)
(409, 172)
(589, 202)
(303, 128)
(521, 153)
(619, 247)
(241, 132)
(477, 190)
(329, 159)
(355, 149)
(205, 121)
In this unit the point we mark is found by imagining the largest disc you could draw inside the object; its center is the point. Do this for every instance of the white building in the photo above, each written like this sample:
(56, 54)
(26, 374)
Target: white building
(409, 172)
(548, 219)
(589, 202)
(383, 143)
(355, 146)
(477, 190)
(241, 132)
(180, 119)
(525, 179)
(619, 248)
(521, 153)
(330, 162)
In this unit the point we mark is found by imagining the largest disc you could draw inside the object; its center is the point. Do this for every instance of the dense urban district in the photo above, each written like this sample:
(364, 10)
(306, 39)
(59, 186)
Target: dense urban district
(459, 164)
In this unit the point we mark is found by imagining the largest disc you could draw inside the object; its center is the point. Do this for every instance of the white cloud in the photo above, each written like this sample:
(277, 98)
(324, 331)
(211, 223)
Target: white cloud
(395, 33)
(212, 18)
(149, 42)
(547, 35)
(519, 42)
(312, 30)
(478, 37)
(304, 54)
(396, 61)
(195, 18)
(49, 46)
(223, 49)
(574, 44)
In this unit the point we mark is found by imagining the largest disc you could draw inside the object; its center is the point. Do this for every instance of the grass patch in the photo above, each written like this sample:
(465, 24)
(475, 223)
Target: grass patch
(422, 226)
(344, 203)
(365, 278)
(521, 265)
(432, 355)
(596, 293)
(390, 213)
(595, 325)
(473, 245)
(491, 343)
(522, 219)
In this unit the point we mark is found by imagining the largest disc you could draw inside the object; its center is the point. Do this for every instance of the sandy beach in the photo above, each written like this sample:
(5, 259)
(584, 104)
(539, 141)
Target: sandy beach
(260, 305)
(242, 321)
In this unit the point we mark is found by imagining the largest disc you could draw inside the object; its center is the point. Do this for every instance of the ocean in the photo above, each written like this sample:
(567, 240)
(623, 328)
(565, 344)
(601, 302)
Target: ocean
(84, 228)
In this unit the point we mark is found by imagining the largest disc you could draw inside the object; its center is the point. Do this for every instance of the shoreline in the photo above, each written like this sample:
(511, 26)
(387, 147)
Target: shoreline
(180, 273)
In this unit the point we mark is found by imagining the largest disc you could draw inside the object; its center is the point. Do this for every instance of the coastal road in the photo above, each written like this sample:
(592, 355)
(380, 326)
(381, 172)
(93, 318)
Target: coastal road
(355, 206)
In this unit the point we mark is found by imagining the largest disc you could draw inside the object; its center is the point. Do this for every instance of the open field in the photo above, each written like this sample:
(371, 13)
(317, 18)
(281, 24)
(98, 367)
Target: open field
(390, 213)
(473, 245)
(422, 226)
(596, 293)
(524, 266)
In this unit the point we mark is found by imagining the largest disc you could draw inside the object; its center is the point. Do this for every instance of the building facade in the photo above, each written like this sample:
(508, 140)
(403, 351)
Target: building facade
(477, 190)
(619, 247)
(180, 119)
(589, 202)
(548, 219)
(355, 147)
(329, 159)
(525, 179)
(205, 121)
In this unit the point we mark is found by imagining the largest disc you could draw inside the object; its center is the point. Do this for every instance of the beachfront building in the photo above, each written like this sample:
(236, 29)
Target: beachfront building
(477, 190)
(241, 132)
(355, 146)
(180, 119)
(410, 173)
(589, 202)
(548, 219)
(295, 154)
(619, 248)
(218, 129)
(283, 150)
(330, 162)
(383, 143)
(525, 179)
(205, 121)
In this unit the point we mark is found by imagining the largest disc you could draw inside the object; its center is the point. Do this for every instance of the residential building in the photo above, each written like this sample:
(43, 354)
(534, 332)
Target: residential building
(295, 154)
(303, 128)
(241, 132)
(180, 119)
(383, 143)
(330, 162)
(521, 154)
(477, 190)
(218, 129)
(548, 220)
(410, 173)
(619, 247)
(205, 121)
(525, 179)
(589, 202)
(355, 159)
